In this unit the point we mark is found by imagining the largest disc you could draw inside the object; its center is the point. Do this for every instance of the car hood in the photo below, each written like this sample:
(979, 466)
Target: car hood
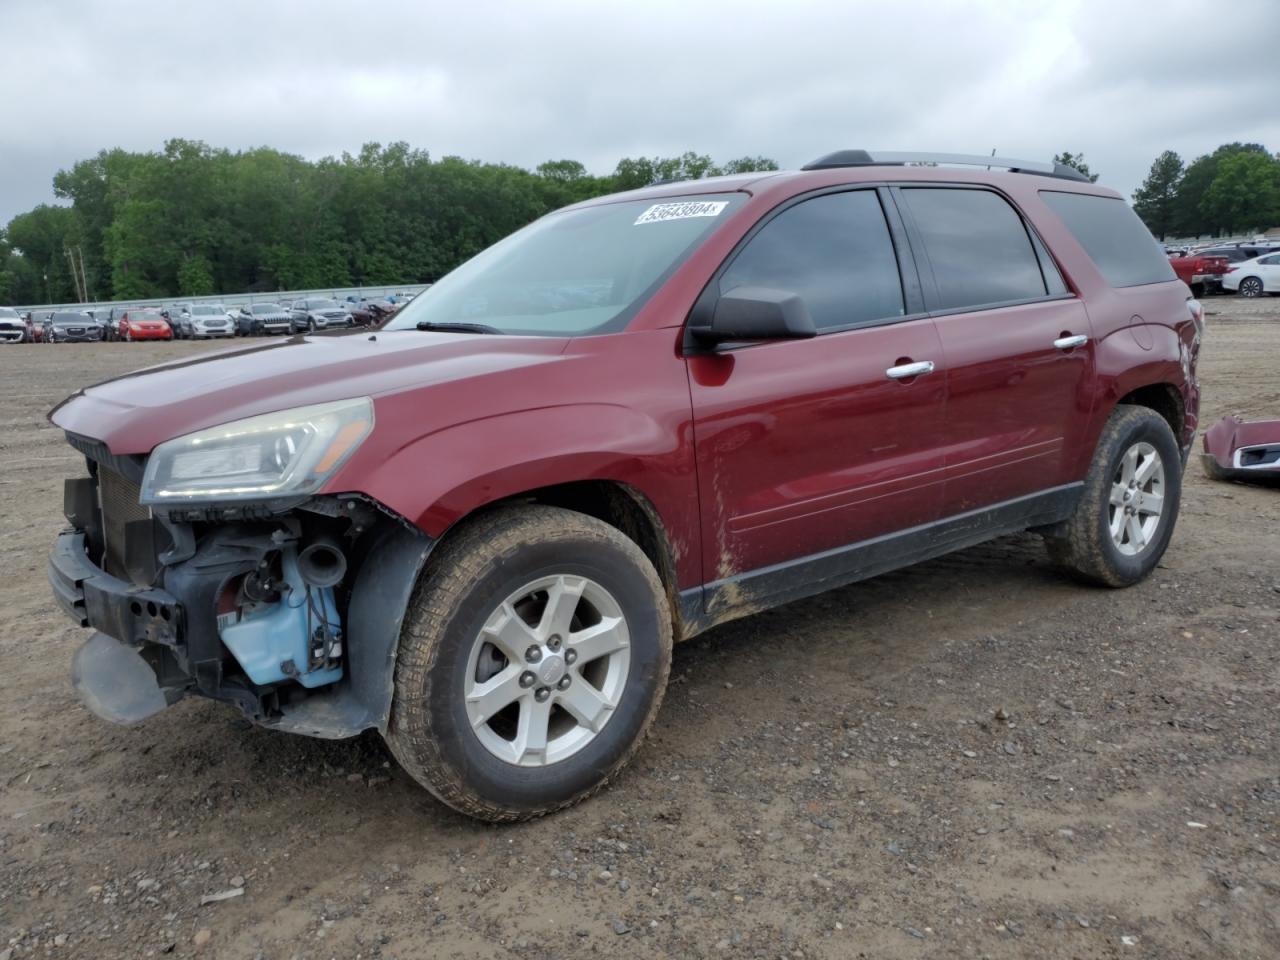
(133, 413)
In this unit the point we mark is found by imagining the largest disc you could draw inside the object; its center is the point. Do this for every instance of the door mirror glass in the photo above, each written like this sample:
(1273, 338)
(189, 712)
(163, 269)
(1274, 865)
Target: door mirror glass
(758, 313)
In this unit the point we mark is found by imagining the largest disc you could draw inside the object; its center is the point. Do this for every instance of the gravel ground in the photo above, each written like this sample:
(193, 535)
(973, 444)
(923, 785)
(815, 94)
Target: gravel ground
(974, 757)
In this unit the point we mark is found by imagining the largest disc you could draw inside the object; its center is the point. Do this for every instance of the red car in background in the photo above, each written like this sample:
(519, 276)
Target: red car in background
(144, 325)
(1200, 271)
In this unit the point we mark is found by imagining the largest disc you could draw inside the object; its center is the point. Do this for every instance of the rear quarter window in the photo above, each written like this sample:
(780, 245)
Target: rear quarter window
(1120, 244)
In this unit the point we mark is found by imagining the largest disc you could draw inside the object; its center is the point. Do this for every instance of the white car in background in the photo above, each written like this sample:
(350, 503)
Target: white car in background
(12, 327)
(211, 320)
(1253, 278)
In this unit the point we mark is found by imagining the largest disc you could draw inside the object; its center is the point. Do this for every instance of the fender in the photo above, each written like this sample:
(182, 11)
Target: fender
(438, 479)
(1143, 355)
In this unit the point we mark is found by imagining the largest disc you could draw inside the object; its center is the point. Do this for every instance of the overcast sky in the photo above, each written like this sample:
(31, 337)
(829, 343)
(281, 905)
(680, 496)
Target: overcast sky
(594, 81)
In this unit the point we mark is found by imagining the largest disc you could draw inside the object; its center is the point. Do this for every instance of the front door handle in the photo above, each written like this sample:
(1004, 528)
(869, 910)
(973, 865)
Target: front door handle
(1070, 343)
(908, 370)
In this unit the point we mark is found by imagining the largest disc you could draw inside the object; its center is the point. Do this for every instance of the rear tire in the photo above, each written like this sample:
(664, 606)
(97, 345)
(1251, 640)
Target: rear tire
(1113, 538)
(1250, 287)
(602, 633)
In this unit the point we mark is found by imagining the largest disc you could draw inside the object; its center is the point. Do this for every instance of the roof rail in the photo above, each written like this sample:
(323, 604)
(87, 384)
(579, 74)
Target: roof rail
(898, 158)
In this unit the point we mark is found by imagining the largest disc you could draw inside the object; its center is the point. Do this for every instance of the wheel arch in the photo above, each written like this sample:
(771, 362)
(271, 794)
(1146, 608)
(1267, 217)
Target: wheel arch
(623, 507)
(1165, 399)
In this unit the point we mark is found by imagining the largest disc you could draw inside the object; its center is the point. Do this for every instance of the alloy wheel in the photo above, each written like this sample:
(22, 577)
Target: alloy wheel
(1251, 287)
(547, 670)
(1137, 499)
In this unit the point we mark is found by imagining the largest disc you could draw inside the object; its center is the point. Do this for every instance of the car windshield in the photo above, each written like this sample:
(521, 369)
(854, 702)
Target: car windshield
(8, 313)
(71, 318)
(323, 305)
(583, 271)
(207, 312)
(146, 315)
(265, 308)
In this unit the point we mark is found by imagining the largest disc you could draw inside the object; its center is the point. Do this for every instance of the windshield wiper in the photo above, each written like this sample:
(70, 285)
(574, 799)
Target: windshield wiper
(457, 327)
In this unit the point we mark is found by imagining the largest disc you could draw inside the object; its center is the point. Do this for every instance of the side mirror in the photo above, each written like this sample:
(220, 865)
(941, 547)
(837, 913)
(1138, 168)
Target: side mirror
(758, 313)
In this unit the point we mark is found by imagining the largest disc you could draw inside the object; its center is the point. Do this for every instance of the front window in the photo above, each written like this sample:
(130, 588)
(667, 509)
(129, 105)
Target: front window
(577, 272)
(8, 314)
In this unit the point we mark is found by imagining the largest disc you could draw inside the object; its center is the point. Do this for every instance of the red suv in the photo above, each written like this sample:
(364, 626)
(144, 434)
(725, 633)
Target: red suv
(480, 529)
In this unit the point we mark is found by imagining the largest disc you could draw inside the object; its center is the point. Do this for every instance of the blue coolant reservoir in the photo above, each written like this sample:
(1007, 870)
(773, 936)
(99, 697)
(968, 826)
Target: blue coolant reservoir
(274, 642)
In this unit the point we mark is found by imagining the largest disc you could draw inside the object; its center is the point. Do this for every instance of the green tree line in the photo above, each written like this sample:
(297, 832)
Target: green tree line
(194, 219)
(1233, 190)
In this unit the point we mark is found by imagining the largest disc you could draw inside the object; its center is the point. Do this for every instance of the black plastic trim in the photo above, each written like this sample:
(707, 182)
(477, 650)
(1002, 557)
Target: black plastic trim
(125, 611)
(760, 589)
(129, 466)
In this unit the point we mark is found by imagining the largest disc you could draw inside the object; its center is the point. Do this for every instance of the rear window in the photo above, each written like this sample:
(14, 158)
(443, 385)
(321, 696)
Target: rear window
(977, 247)
(1116, 240)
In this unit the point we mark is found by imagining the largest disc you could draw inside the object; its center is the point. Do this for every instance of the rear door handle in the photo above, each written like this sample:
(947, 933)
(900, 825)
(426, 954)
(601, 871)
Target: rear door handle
(1070, 343)
(908, 370)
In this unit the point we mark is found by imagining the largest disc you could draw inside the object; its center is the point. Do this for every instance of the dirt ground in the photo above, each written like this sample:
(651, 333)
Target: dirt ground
(971, 758)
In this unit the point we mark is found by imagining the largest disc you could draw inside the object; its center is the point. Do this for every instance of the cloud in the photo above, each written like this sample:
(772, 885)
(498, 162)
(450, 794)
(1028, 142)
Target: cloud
(522, 83)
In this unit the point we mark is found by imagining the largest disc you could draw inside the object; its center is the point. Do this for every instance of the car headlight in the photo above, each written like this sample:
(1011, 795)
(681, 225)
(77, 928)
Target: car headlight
(285, 454)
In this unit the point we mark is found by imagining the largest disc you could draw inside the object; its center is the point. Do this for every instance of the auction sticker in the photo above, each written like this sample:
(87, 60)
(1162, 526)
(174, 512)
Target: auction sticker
(681, 211)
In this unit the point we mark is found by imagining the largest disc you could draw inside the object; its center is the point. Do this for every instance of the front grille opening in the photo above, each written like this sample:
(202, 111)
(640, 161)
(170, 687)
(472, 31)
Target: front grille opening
(118, 497)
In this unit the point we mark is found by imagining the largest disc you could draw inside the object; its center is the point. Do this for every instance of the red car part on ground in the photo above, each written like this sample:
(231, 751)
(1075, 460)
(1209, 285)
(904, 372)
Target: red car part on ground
(1236, 449)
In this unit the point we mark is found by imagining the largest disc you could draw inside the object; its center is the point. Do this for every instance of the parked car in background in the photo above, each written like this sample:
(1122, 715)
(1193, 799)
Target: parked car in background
(1237, 252)
(319, 314)
(144, 324)
(110, 318)
(1199, 271)
(71, 327)
(361, 313)
(179, 319)
(269, 317)
(1253, 278)
(246, 324)
(480, 532)
(210, 320)
(99, 315)
(13, 329)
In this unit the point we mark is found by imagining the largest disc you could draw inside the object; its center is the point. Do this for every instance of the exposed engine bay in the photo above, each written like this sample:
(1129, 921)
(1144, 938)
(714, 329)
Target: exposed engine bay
(290, 611)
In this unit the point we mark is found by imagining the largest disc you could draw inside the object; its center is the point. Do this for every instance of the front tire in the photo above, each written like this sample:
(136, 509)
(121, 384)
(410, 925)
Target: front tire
(534, 657)
(1127, 511)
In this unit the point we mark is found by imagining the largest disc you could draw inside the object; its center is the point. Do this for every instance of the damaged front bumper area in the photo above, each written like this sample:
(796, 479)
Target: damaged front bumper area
(290, 612)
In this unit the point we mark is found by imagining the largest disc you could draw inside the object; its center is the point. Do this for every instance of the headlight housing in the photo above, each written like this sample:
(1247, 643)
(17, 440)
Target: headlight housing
(285, 454)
